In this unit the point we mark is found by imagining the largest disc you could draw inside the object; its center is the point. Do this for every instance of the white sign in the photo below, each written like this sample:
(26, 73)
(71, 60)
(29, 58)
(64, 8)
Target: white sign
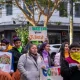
(51, 74)
(5, 61)
(37, 33)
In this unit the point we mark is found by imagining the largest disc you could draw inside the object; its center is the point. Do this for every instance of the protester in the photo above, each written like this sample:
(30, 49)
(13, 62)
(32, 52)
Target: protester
(16, 51)
(30, 64)
(63, 53)
(70, 67)
(5, 45)
(44, 52)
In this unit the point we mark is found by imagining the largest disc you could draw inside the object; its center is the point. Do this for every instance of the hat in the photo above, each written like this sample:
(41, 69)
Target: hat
(6, 41)
(16, 39)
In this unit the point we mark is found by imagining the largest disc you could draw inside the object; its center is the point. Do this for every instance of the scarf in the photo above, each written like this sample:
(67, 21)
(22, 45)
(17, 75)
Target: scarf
(75, 56)
(19, 49)
(66, 54)
(34, 56)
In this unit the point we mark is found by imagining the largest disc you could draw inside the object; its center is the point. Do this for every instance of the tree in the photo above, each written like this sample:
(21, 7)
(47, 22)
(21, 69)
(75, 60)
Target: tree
(45, 8)
(23, 33)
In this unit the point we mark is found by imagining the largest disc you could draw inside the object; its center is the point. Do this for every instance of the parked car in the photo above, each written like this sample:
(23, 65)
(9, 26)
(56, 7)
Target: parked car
(54, 48)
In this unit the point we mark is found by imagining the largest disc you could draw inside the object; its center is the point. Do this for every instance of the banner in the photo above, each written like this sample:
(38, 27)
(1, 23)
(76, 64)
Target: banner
(51, 74)
(5, 61)
(37, 33)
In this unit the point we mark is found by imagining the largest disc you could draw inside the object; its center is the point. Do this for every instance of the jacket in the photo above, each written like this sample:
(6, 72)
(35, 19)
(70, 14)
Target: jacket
(29, 69)
(15, 56)
(57, 59)
(47, 58)
(69, 70)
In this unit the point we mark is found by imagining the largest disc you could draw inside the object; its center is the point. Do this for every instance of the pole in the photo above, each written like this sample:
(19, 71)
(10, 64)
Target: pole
(71, 21)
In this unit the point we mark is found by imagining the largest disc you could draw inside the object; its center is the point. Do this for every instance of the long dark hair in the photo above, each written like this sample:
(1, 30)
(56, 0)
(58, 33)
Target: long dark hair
(62, 51)
(42, 48)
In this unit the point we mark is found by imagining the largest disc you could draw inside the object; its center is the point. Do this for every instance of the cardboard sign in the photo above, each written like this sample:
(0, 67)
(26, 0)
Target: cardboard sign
(37, 33)
(51, 74)
(5, 61)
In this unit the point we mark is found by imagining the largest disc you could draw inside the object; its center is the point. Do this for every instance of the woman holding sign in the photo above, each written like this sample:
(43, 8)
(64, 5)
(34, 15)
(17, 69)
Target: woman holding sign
(70, 67)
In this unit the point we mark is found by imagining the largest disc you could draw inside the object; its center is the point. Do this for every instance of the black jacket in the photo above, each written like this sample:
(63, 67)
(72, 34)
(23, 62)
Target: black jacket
(69, 73)
(15, 56)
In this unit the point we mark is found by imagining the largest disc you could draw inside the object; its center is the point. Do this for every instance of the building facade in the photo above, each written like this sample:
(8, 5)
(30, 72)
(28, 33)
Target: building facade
(58, 26)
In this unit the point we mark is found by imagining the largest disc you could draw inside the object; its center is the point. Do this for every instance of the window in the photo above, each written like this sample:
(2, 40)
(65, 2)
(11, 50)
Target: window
(56, 46)
(24, 7)
(8, 9)
(30, 7)
(77, 9)
(63, 9)
(0, 10)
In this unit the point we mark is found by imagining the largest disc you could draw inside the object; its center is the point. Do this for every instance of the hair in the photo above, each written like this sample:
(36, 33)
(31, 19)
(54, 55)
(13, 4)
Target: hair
(6, 41)
(31, 46)
(62, 50)
(75, 44)
(42, 48)
(16, 39)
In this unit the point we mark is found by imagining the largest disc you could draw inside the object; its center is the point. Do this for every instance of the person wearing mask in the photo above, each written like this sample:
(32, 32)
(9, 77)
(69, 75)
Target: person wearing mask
(5, 45)
(70, 66)
(30, 64)
(63, 53)
(16, 51)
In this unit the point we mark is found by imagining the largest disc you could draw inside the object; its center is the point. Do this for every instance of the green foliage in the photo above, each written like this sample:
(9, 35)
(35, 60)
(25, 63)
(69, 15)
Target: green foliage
(44, 3)
(58, 23)
(63, 9)
(41, 2)
(23, 33)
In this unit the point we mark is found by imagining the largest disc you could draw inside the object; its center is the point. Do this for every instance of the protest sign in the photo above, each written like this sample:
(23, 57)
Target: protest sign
(51, 74)
(5, 61)
(37, 33)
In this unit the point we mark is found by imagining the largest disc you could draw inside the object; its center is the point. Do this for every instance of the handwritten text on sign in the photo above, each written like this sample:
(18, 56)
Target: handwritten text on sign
(37, 33)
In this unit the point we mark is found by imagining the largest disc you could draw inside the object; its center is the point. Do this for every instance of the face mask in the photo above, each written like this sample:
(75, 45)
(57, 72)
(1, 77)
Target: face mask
(75, 56)
(3, 47)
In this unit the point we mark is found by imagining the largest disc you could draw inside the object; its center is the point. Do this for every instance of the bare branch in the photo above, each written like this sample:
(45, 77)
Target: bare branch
(38, 18)
(25, 14)
(56, 3)
(42, 11)
(48, 6)
(28, 8)
(21, 8)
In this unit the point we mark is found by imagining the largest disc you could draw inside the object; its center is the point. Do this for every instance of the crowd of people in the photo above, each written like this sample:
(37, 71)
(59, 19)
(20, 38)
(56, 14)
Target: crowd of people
(29, 60)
